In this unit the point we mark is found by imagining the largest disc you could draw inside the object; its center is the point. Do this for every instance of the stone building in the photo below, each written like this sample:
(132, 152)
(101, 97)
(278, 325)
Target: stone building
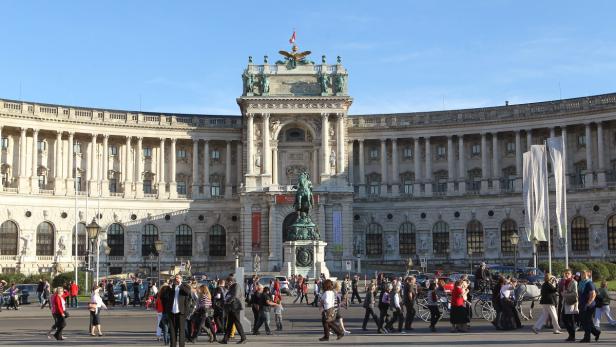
(442, 185)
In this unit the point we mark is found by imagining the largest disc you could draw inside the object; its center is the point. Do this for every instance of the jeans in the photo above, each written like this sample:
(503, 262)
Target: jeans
(370, 313)
(603, 310)
(586, 321)
(435, 315)
(73, 300)
(278, 321)
(264, 317)
(40, 297)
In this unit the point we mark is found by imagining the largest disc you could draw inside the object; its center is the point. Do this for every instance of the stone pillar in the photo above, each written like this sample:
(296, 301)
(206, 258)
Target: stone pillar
(173, 187)
(563, 133)
(162, 185)
(128, 183)
(461, 166)
(194, 191)
(228, 170)
(92, 167)
(34, 188)
(350, 165)
(601, 179)
(451, 171)
(495, 164)
(1, 185)
(238, 158)
(484, 164)
(139, 169)
(324, 147)
(207, 192)
(105, 173)
(70, 171)
(315, 163)
(428, 178)
(275, 165)
(552, 132)
(340, 141)
(362, 172)
(395, 175)
(383, 167)
(417, 168)
(267, 152)
(589, 164)
(529, 139)
(22, 178)
(58, 185)
(249, 145)
(518, 161)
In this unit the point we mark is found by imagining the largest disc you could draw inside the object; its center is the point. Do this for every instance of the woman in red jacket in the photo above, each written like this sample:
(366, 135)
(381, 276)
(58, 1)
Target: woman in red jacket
(58, 307)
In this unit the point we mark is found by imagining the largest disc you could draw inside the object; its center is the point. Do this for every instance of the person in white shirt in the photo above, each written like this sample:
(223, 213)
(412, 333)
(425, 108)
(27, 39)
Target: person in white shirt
(327, 303)
(96, 302)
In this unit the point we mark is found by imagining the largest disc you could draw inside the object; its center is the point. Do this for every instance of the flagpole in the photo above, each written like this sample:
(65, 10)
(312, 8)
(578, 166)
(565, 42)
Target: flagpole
(547, 204)
(564, 188)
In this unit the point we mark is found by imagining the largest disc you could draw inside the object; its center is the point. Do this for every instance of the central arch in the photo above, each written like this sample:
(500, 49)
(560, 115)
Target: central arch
(296, 151)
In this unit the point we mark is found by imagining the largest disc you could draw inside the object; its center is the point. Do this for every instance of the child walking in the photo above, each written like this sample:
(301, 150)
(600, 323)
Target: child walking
(278, 314)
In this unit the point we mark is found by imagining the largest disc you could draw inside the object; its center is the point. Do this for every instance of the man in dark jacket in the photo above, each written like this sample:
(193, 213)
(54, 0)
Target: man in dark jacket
(410, 294)
(233, 308)
(354, 289)
(176, 306)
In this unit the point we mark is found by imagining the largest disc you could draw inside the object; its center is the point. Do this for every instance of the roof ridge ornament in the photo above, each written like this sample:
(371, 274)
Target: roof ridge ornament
(295, 57)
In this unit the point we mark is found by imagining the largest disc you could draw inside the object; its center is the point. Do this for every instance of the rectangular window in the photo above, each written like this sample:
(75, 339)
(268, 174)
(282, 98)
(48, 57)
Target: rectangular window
(181, 188)
(408, 187)
(41, 181)
(8, 270)
(181, 153)
(215, 154)
(147, 186)
(374, 153)
(215, 189)
(581, 140)
(78, 186)
(113, 185)
(441, 152)
(40, 145)
(113, 150)
(147, 152)
(5, 143)
(77, 147)
(408, 153)
(375, 188)
(476, 149)
(510, 147)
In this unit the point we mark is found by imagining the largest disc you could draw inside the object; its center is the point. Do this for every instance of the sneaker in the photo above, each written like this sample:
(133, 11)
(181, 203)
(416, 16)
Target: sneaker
(534, 330)
(558, 332)
(347, 332)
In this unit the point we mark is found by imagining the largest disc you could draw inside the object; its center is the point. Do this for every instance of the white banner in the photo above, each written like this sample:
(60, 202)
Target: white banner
(527, 177)
(557, 154)
(539, 188)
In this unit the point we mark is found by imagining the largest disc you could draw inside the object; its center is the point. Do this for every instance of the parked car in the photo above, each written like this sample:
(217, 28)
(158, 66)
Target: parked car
(265, 281)
(284, 285)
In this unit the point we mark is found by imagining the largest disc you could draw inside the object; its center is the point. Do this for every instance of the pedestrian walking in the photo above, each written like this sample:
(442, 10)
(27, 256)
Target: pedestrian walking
(233, 308)
(136, 292)
(278, 309)
(603, 306)
(587, 294)
(570, 304)
(73, 294)
(162, 321)
(510, 318)
(176, 307)
(58, 310)
(327, 304)
(110, 294)
(459, 315)
(95, 305)
(355, 290)
(369, 304)
(384, 301)
(433, 305)
(46, 294)
(317, 292)
(548, 303)
(340, 304)
(218, 303)
(39, 291)
(410, 295)
(13, 300)
(395, 304)
(124, 293)
(2, 286)
(266, 301)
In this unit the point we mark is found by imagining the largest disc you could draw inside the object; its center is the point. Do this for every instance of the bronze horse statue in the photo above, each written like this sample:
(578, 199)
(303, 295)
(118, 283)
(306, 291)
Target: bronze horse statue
(303, 196)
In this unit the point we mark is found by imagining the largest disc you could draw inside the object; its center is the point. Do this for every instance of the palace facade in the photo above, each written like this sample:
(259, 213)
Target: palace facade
(443, 185)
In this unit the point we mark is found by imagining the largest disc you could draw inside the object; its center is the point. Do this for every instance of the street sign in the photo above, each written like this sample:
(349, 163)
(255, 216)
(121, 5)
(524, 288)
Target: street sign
(349, 265)
(423, 262)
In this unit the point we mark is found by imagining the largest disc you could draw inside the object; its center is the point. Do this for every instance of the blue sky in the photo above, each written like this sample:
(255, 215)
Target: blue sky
(402, 56)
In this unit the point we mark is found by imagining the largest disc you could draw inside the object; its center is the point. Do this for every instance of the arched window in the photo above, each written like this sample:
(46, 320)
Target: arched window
(150, 235)
(440, 238)
(579, 235)
(406, 239)
(8, 238)
(44, 239)
(474, 237)
(508, 227)
(374, 239)
(183, 241)
(218, 241)
(611, 233)
(81, 240)
(115, 240)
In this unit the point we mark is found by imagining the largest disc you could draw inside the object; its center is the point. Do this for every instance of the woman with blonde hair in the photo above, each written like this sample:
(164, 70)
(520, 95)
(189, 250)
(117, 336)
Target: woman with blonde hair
(548, 303)
(96, 302)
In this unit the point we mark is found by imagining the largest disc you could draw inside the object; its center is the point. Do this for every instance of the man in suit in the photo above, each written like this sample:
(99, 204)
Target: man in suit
(233, 306)
(176, 306)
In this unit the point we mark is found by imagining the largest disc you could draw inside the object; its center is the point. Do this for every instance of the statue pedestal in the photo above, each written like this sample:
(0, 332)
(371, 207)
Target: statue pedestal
(305, 257)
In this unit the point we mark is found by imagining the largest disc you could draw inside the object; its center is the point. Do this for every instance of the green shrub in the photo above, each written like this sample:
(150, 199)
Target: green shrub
(599, 270)
(67, 277)
(557, 267)
(611, 267)
(577, 266)
(13, 278)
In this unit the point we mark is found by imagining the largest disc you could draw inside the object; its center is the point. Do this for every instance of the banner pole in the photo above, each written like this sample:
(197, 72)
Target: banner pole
(547, 204)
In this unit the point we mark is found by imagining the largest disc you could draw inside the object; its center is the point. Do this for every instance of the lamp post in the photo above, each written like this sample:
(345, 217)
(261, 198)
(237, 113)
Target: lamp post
(92, 229)
(159, 245)
(470, 255)
(151, 257)
(409, 265)
(514, 241)
(107, 250)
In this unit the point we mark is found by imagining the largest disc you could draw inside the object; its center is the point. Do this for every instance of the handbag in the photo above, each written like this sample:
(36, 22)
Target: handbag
(330, 314)
(92, 307)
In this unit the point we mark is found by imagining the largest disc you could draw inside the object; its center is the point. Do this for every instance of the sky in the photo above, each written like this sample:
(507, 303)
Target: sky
(402, 56)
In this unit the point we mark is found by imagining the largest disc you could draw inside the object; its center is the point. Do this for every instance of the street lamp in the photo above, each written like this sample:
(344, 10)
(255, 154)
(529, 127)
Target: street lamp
(514, 238)
(107, 250)
(92, 229)
(535, 254)
(470, 254)
(158, 245)
(151, 258)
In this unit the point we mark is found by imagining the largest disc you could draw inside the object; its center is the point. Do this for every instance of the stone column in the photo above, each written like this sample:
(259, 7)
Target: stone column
(238, 158)
(484, 164)
(1, 185)
(351, 169)
(362, 172)
(173, 187)
(461, 166)
(495, 164)
(34, 188)
(451, 165)
(275, 165)
(92, 167)
(340, 142)
(324, 147)
(563, 133)
(228, 170)
(266, 168)
(162, 185)
(518, 161)
(315, 163)
(601, 179)
(22, 179)
(128, 183)
(589, 164)
(428, 178)
(207, 192)
(383, 167)
(194, 192)
(395, 175)
(139, 169)
(249, 144)
(105, 173)
(417, 168)
(58, 184)
(70, 171)
(529, 139)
